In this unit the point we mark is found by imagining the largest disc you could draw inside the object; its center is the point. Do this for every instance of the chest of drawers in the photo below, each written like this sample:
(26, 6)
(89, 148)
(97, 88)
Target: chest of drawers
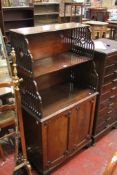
(106, 108)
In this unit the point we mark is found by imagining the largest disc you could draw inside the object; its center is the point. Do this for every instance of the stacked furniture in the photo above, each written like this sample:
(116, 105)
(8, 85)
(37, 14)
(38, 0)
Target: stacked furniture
(106, 107)
(46, 13)
(58, 90)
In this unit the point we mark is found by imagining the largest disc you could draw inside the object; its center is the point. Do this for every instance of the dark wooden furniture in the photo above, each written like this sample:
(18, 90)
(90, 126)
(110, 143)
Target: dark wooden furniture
(15, 17)
(46, 13)
(98, 13)
(106, 108)
(58, 91)
(113, 29)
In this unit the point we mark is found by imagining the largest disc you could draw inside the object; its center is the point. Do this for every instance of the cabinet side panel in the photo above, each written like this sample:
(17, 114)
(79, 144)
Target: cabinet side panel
(33, 136)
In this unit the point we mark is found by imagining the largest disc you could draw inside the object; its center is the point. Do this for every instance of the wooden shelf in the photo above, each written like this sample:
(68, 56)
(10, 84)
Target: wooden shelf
(58, 62)
(15, 20)
(16, 17)
(18, 8)
(46, 3)
(48, 13)
(68, 15)
(59, 98)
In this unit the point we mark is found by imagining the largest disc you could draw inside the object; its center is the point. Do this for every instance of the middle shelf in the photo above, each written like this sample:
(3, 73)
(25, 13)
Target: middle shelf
(58, 62)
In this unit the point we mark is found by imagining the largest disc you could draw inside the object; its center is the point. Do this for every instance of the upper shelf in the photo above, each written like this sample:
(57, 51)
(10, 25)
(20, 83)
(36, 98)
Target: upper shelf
(47, 28)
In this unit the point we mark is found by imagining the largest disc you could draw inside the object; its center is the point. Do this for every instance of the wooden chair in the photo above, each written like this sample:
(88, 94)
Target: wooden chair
(7, 118)
(112, 165)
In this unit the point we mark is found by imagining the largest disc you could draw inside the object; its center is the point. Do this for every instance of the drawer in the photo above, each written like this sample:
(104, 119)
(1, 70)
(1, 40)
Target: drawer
(114, 82)
(114, 90)
(107, 110)
(111, 60)
(101, 126)
(111, 105)
(110, 69)
(113, 117)
(101, 119)
(113, 99)
(107, 87)
(109, 78)
(104, 104)
(105, 96)
(103, 112)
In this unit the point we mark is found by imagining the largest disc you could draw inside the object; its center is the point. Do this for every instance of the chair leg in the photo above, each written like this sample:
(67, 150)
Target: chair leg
(2, 153)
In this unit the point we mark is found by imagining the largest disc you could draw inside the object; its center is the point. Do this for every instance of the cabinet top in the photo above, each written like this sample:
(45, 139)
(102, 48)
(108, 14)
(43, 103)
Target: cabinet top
(47, 28)
(105, 46)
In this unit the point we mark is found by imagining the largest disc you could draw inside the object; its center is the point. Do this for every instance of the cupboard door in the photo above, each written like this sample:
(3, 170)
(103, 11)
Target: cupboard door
(55, 139)
(81, 124)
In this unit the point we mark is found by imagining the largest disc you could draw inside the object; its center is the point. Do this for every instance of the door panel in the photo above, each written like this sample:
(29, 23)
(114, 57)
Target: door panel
(56, 137)
(80, 124)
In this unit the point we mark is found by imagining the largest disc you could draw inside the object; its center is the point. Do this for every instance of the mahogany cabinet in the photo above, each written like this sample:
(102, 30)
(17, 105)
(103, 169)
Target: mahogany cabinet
(58, 92)
(105, 58)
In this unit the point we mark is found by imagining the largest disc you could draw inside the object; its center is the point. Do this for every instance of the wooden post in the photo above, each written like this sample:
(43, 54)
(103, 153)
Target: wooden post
(16, 82)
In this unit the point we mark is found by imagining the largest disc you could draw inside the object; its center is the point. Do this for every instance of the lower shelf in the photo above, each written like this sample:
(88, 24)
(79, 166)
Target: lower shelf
(59, 98)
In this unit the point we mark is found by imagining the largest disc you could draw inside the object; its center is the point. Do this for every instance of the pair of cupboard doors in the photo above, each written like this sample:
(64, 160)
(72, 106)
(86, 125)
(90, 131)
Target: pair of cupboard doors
(61, 136)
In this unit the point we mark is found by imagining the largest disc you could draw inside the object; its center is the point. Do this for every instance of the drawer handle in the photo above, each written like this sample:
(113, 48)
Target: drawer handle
(112, 96)
(114, 80)
(115, 71)
(109, 112)
(111, 104)
(108, 119)
(114, 88)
